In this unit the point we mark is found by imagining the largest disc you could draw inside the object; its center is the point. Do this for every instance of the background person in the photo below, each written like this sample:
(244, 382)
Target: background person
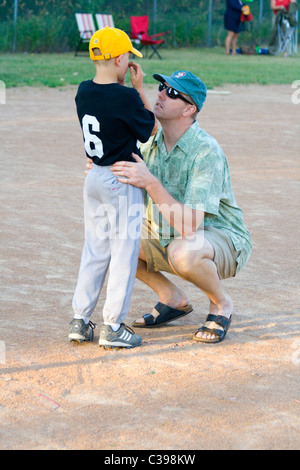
(232, 23)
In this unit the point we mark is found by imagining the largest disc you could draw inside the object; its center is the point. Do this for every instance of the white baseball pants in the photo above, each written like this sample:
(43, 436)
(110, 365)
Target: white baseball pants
(113, 214)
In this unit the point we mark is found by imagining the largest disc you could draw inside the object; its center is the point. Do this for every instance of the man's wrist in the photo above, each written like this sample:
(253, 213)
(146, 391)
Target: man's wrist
(152, 185)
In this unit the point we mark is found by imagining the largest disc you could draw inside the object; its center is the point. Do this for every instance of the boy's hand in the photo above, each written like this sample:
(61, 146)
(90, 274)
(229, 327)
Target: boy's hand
(136, 75)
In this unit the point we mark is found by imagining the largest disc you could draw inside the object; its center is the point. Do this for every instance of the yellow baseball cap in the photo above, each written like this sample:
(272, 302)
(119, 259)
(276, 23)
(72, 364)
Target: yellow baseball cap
(112, 42)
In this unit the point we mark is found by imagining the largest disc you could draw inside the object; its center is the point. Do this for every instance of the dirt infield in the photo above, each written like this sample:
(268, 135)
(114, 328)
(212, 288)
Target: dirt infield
(171, 393)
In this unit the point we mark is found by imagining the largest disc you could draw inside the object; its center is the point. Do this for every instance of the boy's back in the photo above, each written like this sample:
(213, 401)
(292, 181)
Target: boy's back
(113, 119)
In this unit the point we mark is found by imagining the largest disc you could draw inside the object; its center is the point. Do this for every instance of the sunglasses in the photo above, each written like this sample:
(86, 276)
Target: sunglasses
(172, 93)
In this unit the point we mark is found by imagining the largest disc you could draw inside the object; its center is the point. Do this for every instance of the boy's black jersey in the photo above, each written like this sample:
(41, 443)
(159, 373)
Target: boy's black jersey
(113, 119)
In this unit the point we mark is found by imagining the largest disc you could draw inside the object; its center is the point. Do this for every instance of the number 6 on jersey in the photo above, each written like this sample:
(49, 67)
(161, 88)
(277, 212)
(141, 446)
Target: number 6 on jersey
(92, 144)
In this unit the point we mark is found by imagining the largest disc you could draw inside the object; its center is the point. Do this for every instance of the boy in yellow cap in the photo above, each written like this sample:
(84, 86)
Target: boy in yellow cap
(113, 118)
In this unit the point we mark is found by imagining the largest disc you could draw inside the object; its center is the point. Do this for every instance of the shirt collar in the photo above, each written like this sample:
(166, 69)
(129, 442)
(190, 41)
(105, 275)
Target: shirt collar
(183, 143)
(158, 138)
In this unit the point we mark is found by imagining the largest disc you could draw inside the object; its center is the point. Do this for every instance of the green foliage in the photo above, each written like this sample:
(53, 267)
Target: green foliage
(49, 25)
(41, 34)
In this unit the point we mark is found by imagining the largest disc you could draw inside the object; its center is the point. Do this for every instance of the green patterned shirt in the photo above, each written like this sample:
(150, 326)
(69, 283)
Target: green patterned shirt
(196, 173)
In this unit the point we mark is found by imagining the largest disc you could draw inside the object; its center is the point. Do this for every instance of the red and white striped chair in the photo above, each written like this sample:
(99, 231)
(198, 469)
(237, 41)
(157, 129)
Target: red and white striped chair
(104, 20)
(86, 28)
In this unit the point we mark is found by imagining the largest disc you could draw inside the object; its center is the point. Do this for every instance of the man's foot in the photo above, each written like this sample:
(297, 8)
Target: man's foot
(174, 298)
(214, 329)
(162, 314)
(124, 337)
(80, 331)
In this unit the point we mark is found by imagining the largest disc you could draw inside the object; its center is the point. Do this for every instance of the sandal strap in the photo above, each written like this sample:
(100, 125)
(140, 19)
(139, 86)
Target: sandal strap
(162, 313)
(149, 319)
(220, 320)
(167, 313)
(212, 331)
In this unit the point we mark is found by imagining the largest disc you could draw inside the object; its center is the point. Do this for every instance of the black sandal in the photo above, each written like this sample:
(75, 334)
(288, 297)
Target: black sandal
(166, 314)
(223, 322)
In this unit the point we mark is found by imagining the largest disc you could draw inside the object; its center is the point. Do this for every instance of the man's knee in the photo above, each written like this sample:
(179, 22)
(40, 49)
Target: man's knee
(184, 254)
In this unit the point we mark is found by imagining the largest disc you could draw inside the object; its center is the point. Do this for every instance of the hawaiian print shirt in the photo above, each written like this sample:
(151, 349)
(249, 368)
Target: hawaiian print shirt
(195, 172)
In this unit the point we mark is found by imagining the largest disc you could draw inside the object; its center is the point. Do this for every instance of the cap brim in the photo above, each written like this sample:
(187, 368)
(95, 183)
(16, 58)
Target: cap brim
(171, 81)
(160, 78)
(136, 52)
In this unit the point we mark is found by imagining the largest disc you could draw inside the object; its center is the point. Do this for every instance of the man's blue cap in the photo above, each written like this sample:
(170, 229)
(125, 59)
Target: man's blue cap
(186, 82)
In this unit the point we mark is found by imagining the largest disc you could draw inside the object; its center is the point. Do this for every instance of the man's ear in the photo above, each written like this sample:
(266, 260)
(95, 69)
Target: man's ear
(190, 110)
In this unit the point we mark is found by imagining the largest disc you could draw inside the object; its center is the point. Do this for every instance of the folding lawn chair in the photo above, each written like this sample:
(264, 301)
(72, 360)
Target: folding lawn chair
(86, 28)
(104, 20)
(287, 34)
(139, 34)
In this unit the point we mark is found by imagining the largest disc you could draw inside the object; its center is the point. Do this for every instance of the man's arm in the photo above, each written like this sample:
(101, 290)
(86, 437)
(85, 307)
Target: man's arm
(182, 218)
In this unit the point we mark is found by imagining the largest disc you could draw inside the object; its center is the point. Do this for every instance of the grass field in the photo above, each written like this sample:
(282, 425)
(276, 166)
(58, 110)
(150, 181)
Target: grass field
(212, 65)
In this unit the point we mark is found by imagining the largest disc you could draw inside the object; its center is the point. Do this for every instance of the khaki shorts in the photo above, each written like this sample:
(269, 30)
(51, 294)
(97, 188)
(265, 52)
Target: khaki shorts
(157, 259)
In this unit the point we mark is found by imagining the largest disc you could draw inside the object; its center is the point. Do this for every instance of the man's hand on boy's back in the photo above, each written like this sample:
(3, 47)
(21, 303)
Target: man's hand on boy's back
(89, 166)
